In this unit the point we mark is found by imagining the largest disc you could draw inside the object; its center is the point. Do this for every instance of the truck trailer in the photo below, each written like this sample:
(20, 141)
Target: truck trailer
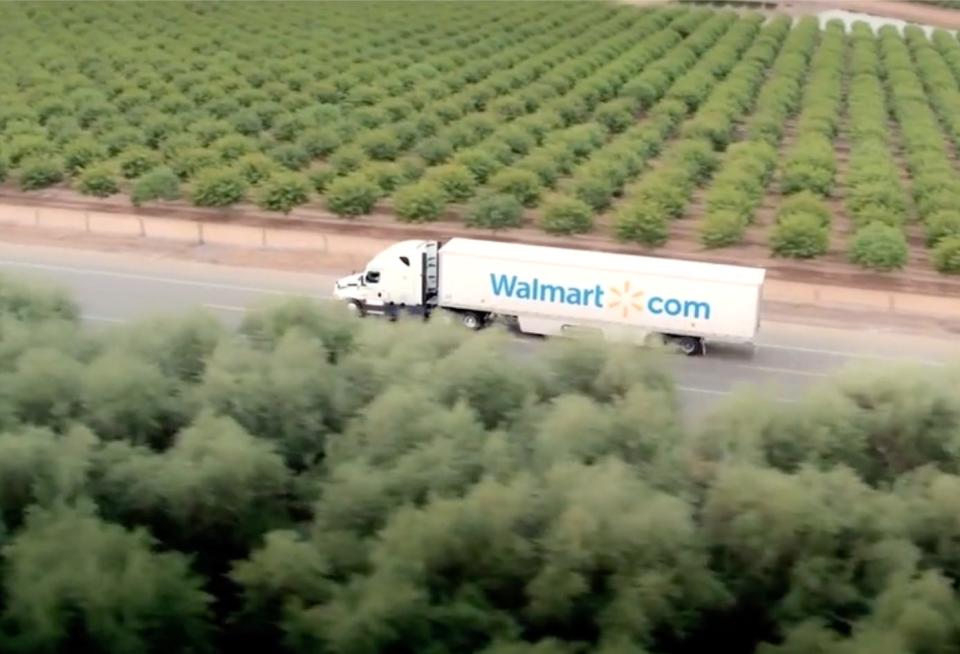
(552, 291)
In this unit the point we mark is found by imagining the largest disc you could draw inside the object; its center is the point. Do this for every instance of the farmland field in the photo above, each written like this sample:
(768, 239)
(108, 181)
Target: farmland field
(674, 128)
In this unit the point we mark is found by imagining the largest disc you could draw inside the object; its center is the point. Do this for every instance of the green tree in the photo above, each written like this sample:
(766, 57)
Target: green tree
(219, 187)
(353, 195)
(99, 180)
(422, 201)
(161, 183)
(565, 215)
(283, 192)
(72, 580)
(879, 246)
(494, 211)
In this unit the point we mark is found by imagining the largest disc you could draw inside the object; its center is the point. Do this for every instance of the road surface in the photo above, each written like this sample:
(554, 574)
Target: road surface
(787, 358)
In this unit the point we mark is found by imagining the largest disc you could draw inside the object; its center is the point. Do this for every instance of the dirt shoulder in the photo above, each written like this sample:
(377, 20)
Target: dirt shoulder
(832, 269)
(849, 310)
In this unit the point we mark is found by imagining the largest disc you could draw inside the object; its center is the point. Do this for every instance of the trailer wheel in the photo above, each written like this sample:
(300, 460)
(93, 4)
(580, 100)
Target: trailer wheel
(689, 345)
(471, 321)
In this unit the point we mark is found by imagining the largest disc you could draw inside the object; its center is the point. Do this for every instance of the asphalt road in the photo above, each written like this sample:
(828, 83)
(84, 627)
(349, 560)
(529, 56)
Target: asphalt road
(786, 359)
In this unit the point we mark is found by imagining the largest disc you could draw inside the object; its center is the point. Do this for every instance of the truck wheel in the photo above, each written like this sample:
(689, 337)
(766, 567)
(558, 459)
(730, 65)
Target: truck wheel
(356, 308)
(471, 321)
(689, 345)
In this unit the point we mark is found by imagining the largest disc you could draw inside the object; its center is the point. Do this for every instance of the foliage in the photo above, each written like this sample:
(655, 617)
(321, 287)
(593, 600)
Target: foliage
(879, 246)
(99, 180)
(490, 210)
(352, 195)
(800, 235)
(564, 215)
(219, 187)
(722, 227)
(645, 222)
(283, 192)
(456, 180)
(159, 184)
(946, 255)
(40, 172)
(311, 482)
(524, 185)
(941, 225)
(422, 201)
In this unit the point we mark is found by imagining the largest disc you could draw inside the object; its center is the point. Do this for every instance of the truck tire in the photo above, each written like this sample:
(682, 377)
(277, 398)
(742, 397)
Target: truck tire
(689, 345)
(356, 309)
(471, 321)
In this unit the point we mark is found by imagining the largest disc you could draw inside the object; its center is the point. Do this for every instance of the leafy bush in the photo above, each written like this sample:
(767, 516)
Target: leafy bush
(566, 215)
(480, 163)
(386, 174)
(434, 150)
(412, 167)
(380, 144)
(880, 247)
(283, 192)
(40, 172)
(352, 195)
(233, 146)
(187, 162)
(522, 184)
(256, 167)
(946, 255)
(722, 228)
(543, 165)
(290, 156)
(643, 221)
(321, 176)
(807, 177)
(81, 152)
(697, 157)
(159, 184)
(722, 199)
(423, 201)
(942, 225)
(595, 191)
(806, 203)
(99, 180)
(218, 187)
(347, 159)
(616, 116)
(456, 180)
(800, 236)
(494, 211)
(137, 160)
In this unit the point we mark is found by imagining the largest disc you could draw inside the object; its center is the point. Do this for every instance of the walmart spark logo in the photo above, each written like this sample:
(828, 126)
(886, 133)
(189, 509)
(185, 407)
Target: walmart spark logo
(625, 299)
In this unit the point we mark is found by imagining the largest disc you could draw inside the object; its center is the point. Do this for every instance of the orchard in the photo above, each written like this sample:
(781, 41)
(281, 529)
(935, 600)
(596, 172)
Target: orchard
(649, 126)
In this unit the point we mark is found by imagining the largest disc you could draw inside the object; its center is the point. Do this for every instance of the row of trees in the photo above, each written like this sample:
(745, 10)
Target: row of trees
(315, 483)
(875, 199)
(936, 189)
(525, 154)
(710, 91)
(460, 71)
(576, 72)
(747, 167)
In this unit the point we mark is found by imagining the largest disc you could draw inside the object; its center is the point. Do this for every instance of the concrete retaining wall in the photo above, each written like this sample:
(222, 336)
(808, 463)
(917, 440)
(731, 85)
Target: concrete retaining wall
(358, 249)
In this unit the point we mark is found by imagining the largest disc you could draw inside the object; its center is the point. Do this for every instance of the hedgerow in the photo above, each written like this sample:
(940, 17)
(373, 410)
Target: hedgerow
(810, 163)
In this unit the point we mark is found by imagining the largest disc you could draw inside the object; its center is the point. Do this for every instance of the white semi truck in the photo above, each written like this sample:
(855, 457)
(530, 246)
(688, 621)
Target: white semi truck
(553, 291)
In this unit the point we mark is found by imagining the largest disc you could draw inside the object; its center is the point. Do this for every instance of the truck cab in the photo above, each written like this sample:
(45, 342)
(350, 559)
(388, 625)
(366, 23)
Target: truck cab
(403, 277)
